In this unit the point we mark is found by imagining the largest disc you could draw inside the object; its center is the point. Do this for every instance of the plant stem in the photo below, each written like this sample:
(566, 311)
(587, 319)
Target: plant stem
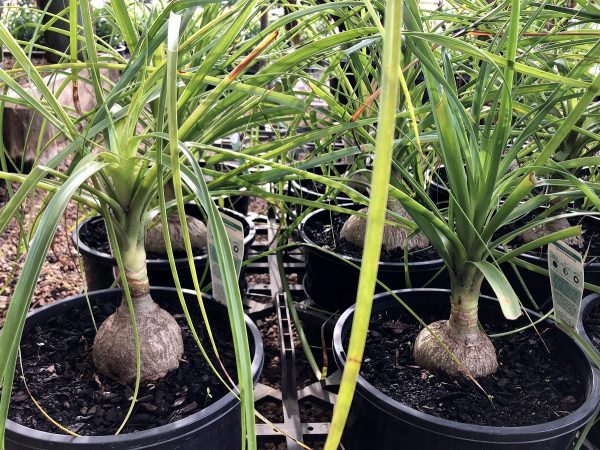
(464, 297)
(133, 253)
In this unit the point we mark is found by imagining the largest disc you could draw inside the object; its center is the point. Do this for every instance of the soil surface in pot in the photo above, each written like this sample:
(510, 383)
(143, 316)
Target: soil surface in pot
(93, 234)
(326, 234)
(591, 324)
(532, 385)
(60, 374)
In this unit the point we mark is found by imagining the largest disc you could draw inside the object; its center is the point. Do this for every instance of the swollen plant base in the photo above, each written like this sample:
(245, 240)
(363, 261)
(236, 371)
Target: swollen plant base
(155, 240)
(540, 231)
(473, 349)
(394, 237)
(161, 344)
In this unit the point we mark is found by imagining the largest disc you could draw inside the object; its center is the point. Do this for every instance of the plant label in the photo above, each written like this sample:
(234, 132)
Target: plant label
(235, 232)
(566, 280)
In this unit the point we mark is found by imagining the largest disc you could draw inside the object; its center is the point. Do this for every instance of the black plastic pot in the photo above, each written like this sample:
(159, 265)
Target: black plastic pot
(332, 283)
(437, 190)
(587, 305)
(99, 265)
(54, 39)
(239, 203)
(216, 427)
(378, 422)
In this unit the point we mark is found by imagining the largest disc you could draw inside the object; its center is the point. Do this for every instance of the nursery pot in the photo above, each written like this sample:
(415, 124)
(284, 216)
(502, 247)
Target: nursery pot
(99, 266)
(380, 422)
(216, 427)
(587, 306)
(437, 190)
(238, 203)
(332, 282)
(54, 39)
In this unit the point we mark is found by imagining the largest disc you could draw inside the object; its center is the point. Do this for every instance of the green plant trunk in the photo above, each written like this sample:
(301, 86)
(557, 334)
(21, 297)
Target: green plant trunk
(465, 288)
(134, 262)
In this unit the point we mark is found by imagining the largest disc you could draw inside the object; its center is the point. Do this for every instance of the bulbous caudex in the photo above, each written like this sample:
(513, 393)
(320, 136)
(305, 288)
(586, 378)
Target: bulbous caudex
(160, 340)
(394, 237)
(155, 240)
(460, 334)
(554, 226)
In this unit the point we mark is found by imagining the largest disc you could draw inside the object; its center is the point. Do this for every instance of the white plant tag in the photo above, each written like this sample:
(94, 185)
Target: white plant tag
(235, 232)
(566, 280)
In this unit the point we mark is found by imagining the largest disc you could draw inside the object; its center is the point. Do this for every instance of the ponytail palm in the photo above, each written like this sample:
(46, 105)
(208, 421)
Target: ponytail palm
(477, 145)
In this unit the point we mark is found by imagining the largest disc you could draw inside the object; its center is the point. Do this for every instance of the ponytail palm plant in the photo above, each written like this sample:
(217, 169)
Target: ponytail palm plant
(480, 130)
(171, 103)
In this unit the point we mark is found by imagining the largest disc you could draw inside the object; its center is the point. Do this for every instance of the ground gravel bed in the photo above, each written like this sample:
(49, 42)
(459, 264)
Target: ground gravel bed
(60, 276)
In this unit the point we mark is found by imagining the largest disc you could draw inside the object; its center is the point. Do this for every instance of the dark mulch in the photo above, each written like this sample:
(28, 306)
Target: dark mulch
(591, 233)
(530, 387)
(60, 374)
(93, 234)
(272, 410)
(316, 411)
(591, 324)
(326, 234)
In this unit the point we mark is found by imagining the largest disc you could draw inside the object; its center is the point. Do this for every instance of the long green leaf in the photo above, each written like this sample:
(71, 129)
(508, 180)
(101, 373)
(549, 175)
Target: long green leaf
(509, 302)
(375, 220)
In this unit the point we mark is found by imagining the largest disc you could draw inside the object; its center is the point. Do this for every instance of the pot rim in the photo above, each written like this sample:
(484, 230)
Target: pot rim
(202, 417)
(382, 264)
(297, 185)
(542, 261)
(86, 250)
(587, 303)
(438, 425)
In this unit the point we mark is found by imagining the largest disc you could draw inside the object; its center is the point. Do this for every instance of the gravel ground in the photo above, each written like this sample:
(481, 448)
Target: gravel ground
(258, 206)
(60, 276)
